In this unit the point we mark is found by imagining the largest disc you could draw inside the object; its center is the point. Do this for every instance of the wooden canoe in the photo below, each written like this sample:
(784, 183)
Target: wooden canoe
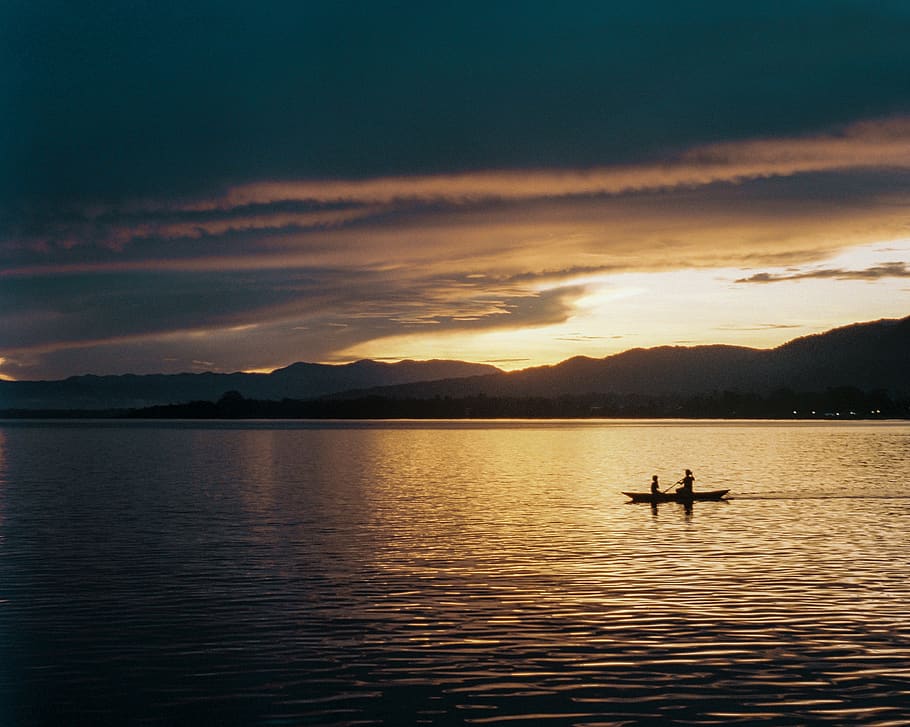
(676, 496)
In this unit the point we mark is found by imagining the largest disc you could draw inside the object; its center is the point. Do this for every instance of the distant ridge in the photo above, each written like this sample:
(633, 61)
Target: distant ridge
(297, 381)
(868, 356)
(873, 356)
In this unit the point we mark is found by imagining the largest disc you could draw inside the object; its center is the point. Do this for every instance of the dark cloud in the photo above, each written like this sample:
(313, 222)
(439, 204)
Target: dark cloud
(150, 322)
(760, 327)
(118, 99)
(261, 223)
(875, 272)
(252, 184)
(578, 338)
(39, 312)
(175, 282)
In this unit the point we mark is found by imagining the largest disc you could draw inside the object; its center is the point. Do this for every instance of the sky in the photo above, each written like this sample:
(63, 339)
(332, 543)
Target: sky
(235, 186)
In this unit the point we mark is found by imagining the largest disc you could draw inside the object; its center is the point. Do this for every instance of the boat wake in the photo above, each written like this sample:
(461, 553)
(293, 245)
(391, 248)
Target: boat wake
(801, 496)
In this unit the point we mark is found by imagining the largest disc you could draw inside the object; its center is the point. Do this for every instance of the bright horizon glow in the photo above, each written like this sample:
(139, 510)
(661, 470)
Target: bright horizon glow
(606, 314)
(687, 308)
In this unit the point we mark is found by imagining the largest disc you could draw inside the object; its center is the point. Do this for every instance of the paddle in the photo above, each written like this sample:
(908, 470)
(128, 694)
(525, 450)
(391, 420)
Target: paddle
(678, 482)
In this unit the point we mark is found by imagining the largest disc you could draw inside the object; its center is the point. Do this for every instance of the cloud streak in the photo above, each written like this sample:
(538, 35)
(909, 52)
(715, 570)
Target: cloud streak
(873, 273)
(323, 222)
(316, 205)
(345, 262)
(863, 145)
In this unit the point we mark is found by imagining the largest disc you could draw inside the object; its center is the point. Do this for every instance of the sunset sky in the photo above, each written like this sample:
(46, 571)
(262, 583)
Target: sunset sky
(191, 186)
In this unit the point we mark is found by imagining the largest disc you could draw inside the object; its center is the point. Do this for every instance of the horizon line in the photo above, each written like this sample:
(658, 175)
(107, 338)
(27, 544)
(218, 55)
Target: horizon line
(394, 361)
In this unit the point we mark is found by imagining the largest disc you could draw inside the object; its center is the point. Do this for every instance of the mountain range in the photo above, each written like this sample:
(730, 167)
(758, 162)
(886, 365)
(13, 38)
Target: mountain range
(297, 381)
(868, 356)
(872, 356)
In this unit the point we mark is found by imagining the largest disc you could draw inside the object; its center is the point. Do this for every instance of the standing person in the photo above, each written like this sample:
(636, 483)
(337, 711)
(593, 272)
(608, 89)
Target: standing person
(687, 482)
(655, 486)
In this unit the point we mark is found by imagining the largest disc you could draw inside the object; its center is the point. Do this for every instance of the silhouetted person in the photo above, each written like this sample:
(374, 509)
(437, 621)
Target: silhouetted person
(655, 487)
(687, 482)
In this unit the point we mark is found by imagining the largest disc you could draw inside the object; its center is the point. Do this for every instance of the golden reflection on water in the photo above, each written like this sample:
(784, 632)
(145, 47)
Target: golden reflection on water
(397, 573)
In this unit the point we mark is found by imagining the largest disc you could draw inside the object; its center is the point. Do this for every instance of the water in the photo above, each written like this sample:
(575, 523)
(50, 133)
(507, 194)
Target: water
(452, 573)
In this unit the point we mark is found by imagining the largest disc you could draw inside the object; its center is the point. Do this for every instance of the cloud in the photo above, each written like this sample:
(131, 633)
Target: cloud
(251, 185)
(357, 303)
(582, 338)
(158, 96)
(867, 144)
(875, 272)
(880, 143)
(310, 269)
(760, 327)
(256, 224)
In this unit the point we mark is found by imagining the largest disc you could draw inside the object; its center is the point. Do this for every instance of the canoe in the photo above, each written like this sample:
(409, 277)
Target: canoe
(676, 496)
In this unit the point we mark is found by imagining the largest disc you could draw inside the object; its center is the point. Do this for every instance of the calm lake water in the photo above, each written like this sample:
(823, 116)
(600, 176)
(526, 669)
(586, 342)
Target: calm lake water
(397, 573)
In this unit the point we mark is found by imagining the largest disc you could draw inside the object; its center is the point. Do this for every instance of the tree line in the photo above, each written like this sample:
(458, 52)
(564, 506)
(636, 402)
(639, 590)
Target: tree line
(844, 402)
(834, 403)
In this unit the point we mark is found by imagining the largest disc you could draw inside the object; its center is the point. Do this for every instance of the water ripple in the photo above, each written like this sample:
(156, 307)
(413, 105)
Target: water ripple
(449, 575)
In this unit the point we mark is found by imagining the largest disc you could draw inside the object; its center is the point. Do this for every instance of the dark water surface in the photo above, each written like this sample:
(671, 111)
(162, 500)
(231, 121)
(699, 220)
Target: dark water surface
(452, 573)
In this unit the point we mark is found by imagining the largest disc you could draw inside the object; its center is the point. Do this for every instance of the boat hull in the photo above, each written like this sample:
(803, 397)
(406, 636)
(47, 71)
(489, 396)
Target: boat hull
(676, 496)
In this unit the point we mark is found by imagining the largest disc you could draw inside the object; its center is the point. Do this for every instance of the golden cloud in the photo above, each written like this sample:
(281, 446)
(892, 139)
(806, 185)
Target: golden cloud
(502, 223)
(868, 144)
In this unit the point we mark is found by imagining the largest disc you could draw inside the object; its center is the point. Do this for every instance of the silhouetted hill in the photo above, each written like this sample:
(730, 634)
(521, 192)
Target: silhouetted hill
(869, 356)
(298, 381)
(865, 355)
